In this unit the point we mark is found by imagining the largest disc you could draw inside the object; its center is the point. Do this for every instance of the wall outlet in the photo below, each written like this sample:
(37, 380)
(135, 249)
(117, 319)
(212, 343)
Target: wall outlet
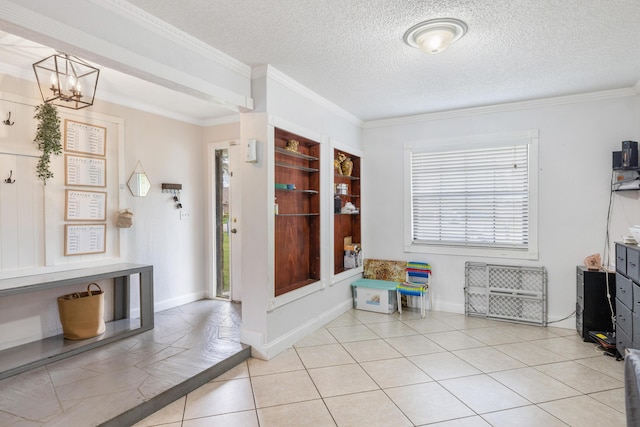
(185, 215)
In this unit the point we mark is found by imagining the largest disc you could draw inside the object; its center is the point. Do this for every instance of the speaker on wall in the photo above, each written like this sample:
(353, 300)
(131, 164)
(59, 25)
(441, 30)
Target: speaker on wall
(617, 159)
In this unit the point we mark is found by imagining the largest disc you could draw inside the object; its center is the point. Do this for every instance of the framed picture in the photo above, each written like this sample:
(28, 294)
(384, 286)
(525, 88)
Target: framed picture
(85, 205)
(84, 239)
(85, 138)
(85, 171)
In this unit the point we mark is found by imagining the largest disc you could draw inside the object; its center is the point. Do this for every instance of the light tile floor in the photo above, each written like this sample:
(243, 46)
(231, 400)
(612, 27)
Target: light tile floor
(369, 369)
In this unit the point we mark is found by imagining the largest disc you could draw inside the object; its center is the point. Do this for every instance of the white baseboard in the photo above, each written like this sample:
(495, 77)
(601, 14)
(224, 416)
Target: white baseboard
(171, 303)
(266, 351)
(448, 307)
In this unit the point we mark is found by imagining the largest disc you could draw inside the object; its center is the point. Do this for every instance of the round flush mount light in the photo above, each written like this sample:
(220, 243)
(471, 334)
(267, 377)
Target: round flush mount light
(435, 35)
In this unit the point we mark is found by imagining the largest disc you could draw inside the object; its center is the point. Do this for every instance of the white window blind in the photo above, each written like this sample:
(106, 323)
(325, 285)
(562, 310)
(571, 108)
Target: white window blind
(473, 197)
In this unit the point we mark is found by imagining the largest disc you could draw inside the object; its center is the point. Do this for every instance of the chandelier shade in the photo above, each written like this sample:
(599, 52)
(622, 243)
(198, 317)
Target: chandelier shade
(66, 81)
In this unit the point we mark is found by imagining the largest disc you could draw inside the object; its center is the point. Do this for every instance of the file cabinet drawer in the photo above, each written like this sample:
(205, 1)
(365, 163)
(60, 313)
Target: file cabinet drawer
(623, 319)
(621, 259)
(624, 290)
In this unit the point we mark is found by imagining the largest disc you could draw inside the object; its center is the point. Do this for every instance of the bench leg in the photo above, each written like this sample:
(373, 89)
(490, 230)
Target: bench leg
(399, 298)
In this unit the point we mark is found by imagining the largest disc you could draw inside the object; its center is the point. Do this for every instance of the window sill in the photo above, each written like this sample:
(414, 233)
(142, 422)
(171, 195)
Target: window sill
(472, 251)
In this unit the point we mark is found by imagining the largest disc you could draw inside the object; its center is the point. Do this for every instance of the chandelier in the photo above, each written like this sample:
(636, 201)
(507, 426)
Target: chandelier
(66, 81)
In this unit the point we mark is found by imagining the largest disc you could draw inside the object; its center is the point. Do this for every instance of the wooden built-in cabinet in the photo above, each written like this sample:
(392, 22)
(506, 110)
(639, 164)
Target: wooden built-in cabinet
(297, 212)
(345, 224)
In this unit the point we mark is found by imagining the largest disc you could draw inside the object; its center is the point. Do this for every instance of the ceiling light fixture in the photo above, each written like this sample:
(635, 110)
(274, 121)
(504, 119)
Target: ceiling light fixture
(435, 35)
(66, 81)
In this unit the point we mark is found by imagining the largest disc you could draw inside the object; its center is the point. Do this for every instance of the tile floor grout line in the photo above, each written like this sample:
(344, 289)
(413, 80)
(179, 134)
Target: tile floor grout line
(587, 362)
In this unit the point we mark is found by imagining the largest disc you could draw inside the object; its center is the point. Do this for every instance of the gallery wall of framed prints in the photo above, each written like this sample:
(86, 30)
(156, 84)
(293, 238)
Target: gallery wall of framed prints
(85, 165)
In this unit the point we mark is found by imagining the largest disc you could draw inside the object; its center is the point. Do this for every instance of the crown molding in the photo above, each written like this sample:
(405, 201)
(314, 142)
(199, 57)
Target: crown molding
(168, 31)
(501, 108)
(269, 71)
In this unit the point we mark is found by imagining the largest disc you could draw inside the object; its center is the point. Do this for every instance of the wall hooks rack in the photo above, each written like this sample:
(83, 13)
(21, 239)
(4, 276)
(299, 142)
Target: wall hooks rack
(174, 189)
(9, 180)
(8, 122)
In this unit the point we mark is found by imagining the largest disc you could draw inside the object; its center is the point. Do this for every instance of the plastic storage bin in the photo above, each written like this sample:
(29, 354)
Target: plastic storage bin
(375, 295)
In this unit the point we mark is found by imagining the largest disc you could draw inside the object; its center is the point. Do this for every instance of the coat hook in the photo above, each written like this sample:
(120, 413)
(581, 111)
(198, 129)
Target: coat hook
(8, 122)
(9, 180)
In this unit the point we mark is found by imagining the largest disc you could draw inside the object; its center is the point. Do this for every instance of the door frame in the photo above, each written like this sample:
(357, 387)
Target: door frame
(234, 242)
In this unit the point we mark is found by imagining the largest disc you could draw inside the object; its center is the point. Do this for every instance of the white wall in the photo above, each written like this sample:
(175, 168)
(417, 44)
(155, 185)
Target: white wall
(170, 152)
(577, 136)
(269, 325)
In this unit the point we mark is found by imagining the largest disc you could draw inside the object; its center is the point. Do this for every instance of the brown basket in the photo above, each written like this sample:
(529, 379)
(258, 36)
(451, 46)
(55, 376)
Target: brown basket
(82, 313)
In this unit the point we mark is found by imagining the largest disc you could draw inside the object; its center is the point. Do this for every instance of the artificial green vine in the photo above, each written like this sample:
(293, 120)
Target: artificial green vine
(47, 138)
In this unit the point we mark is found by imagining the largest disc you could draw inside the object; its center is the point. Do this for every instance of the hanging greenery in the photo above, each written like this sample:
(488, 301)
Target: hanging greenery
(47, 139)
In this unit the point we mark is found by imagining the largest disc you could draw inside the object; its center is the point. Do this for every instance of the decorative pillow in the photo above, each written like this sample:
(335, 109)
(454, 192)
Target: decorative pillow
(377, 269)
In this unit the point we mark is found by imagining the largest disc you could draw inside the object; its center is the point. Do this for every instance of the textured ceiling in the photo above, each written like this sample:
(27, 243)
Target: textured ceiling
(352, 53)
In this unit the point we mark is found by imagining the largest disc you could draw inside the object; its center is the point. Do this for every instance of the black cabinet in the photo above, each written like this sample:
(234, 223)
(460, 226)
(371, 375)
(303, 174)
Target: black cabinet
(593, 307)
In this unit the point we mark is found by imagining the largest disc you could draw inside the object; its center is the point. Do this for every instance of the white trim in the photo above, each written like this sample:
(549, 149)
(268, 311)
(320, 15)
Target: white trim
(349, 149)
(255, 340)
(284, 124)
(174, 302)
(279, 77)
(294, 295)
(265, 351)
(166, 112)
(455, 142)
(233, 118)
(347, 274)
(499, 108)
(168, 31)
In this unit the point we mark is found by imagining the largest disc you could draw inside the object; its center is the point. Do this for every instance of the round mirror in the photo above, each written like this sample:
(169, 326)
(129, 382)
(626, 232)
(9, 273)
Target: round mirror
(139, 184)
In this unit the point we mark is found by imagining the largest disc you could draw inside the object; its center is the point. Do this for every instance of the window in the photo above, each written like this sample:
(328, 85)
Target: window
(476, 196)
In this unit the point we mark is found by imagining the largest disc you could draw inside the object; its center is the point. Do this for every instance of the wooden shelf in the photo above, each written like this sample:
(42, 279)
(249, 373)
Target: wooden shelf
(353, 178)
(297, 191)
(297, 167)
(294, 154)
(346, 224)
(294, 286)
(297, 231)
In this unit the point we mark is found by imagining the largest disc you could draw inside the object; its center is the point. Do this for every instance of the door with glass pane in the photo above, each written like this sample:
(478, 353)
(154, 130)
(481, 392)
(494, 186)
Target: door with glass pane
(222, 224)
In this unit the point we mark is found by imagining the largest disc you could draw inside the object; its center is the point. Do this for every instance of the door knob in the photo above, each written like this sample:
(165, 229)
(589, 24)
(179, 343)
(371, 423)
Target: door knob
(234, 231)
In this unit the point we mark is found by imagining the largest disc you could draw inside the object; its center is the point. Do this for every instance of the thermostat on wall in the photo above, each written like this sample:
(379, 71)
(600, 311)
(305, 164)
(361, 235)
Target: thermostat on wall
(252, 155)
